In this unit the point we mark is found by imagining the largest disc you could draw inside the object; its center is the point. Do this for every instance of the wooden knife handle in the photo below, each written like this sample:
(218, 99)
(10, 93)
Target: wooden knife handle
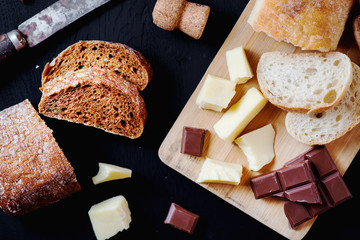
(10, 43)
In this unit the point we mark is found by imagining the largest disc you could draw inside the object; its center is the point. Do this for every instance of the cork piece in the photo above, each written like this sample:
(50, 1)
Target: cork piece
(34, 171)
(188, 17)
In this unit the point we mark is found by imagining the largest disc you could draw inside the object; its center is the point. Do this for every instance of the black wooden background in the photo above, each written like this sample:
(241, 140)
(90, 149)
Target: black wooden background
(179, 63)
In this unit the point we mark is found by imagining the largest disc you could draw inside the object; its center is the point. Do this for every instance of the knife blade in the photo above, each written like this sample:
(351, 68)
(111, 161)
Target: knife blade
(44, 24)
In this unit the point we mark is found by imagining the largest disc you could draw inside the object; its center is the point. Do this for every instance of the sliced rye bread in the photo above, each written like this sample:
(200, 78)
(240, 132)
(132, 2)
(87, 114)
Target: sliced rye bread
(127, 63)
(324, 127)
(94, 97)
(304, 82)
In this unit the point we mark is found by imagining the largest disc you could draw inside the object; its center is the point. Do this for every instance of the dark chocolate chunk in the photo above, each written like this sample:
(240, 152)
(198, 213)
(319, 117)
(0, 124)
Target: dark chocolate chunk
(296, 213)
(181, 218)
(193, 141)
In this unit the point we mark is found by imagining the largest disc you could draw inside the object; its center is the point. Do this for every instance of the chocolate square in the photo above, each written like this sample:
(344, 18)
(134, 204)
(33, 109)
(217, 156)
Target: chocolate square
(295, 175)
(296, 213)
(265, 185)
(193, 141)
(181, 218)
(336, 188)
(322, 161)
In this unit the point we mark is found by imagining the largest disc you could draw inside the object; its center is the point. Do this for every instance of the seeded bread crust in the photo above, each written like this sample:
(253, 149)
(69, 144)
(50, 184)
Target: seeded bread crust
(127, 63)
(33, 169)
(325, 127)
(94, 97)
(304, 82)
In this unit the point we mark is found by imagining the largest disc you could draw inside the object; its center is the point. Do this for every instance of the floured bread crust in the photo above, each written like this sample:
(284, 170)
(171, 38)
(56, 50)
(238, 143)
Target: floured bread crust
(33, 169)
(309, 24)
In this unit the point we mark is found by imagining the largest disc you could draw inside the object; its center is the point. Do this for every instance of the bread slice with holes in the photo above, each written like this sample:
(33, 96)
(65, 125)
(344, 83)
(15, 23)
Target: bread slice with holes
(324, 127)
(304, 82)
(127, 63)
(96, 98)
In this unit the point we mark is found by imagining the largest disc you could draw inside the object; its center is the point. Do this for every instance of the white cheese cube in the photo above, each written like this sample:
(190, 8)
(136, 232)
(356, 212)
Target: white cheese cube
(108, 172)
(110, 217)
(238, 116)
(215, 171)
(238, 65)
(258, 146)
(216, 93)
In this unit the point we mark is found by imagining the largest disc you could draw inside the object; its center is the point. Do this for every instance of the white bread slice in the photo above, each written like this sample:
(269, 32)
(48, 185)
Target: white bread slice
(322, 128)
(304, 82)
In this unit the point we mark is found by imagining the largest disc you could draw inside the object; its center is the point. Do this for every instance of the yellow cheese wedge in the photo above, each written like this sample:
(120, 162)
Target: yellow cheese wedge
(215, 171)
(216, 93)
(108, 172)
(110, 217)
(238, 65)
(238, 116)
(258, 146)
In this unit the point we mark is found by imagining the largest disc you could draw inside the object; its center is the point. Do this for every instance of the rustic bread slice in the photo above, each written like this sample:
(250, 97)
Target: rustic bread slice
(34, 171)
(304, 82)
(96, 98)
(126, 62)
(324, 127)
(311, 25)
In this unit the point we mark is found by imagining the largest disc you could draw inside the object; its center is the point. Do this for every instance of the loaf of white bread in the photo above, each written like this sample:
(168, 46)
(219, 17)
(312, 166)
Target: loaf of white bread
(309, 24)
(304, 82)
(33, 169)
(97, 84)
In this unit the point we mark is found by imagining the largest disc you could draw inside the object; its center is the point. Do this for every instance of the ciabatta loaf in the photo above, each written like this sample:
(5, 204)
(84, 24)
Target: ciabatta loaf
(304, 82)
(127, 63)
(324, 127)
(96, 98)
(33, 169)
(309, 24)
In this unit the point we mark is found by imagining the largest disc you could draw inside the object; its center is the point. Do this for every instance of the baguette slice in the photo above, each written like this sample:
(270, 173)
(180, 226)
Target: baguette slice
(94, 97)
(34, 171)
(322, 128)
(304, 82)
(309, 24)
(126, 62)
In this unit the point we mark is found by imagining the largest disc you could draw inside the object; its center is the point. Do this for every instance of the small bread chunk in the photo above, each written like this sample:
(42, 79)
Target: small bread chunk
(309, 24)
(304, 82)
(34, 171)
(127, 63)
(324, 127)
(96, 98)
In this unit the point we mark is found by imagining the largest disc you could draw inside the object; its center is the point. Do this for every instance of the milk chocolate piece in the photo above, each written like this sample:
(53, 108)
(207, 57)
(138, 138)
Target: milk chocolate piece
(322, 162)
(317, 209)
(295, 183)
(306, 193)
(193, 141)
(336, 188)
(295, 175)
(265, 185)
(181, 218)
(330, 184)
(296, 213)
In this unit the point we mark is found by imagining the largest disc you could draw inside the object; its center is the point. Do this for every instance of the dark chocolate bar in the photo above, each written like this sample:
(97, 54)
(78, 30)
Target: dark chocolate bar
(193, 141)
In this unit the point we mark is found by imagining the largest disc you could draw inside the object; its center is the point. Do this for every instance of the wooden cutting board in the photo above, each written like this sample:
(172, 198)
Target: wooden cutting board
(268, 211)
